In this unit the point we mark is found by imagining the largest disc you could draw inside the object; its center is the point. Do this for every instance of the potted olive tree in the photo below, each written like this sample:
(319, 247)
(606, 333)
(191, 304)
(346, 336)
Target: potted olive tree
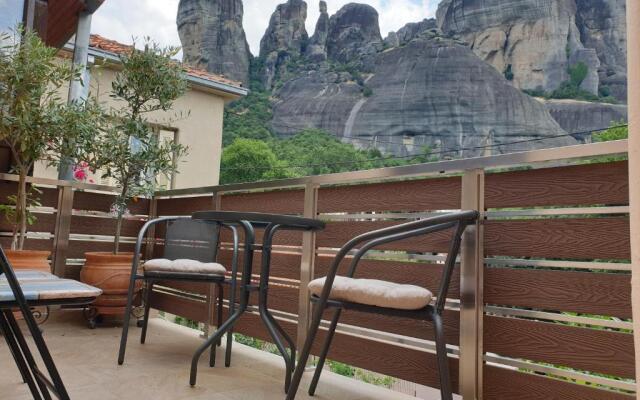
(132, 155)
(36, 124)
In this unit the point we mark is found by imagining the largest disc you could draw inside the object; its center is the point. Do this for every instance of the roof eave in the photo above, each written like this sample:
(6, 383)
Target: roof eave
(197, 82)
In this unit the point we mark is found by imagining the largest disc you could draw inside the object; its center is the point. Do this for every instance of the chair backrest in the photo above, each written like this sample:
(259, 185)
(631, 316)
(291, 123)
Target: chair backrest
(192, 239)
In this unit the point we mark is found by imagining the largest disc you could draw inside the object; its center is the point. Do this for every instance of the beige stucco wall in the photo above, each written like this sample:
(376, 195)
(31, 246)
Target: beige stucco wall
(198, 117)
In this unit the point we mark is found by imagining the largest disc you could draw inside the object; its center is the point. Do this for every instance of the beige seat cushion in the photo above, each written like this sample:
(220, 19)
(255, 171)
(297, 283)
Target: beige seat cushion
(183, 266)
(375, 293)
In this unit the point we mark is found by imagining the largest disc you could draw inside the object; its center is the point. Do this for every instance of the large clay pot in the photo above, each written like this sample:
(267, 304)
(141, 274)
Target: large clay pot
(29, 259)
(111, 273)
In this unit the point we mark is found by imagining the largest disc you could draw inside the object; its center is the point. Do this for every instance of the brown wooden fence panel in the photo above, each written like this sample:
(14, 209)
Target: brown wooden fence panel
(575, 238)
(415, 195)
(582, 292)
(88, 225)
(605, 184)
(501, 384)
(337, 234)
(184, 205)
(278, 202)
(193, 310)
(580, 348)
(103, 202)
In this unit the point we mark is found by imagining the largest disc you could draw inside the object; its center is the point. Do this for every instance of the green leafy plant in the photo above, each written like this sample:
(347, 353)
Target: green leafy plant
(36, 124)
(130, 151)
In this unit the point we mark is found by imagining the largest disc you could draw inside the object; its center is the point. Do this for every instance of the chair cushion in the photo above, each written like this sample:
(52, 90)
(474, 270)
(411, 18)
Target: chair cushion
(375, 293)
(183, 266)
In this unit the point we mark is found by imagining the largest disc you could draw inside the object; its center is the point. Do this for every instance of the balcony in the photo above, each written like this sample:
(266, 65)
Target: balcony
(540, 307)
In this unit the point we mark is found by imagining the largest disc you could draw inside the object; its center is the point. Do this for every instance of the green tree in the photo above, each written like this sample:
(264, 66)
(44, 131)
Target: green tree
(248, 118)
(578, 73)
(250, 160)
(35, 123)
(618, 130)
(130, 151)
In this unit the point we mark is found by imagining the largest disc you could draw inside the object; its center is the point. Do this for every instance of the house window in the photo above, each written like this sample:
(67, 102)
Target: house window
(167, 135)
(11, 15)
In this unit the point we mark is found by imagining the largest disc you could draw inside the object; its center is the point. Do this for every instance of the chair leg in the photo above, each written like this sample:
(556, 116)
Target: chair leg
(147, 309)
(306, 351)
(443, 361)
(127, 316)
(325, 351)
(44, 354)
(18, 357)
(212, 355)
(232, 307)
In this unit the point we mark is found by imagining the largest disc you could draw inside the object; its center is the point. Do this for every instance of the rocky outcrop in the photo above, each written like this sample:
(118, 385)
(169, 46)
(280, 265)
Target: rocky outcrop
(603, 27)
(430, 92)
(317, 49)
(354, 34)
(533, 42)
(286, 37)
(409, 32)
(213, 38)
(580, 117)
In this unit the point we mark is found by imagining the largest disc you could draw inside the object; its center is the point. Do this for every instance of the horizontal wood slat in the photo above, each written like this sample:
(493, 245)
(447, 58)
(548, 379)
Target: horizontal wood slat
(580, 348)
(337, 234)
(186, 308)
(48, 197)
(184, 205)
(384, 358)
(411, 273)
(104, 226)
(583, 292)
(30, 244)
(559, 186)
(43, 223)
(188, 287)
(576, 238)
(278, 202)
(285, 266)
(103, 202)
(501, 384)
(415, 195)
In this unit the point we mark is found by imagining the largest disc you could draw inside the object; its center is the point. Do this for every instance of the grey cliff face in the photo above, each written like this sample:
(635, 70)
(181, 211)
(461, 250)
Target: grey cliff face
(354, 33)
(603, 27)
(410, 31)
(213, 38)
(286, 37)
(534, 39)
(580, 116)
(431, 92)
(317, 49)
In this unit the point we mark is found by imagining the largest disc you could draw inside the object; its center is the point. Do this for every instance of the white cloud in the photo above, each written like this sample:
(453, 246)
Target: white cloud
(124, 19)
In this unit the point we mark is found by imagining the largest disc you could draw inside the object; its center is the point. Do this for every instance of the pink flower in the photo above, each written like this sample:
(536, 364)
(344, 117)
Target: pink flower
(80, 175)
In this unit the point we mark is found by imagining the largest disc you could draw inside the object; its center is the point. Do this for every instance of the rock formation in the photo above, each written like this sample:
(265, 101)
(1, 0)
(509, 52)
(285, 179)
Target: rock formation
(213, 38)
(317, 49)
(603, 27)
(354, 33)
(409, 32)
(286, 37)
(430, 92)
(532, 42)
(580, 116)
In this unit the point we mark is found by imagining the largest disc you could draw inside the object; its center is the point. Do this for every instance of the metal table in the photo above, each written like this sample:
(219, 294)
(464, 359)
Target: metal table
(249, 222)
(26, 289)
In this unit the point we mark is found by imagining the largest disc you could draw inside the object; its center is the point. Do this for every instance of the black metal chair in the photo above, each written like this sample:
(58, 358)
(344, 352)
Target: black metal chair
(189, 255)
(415, 306)
(44, 291)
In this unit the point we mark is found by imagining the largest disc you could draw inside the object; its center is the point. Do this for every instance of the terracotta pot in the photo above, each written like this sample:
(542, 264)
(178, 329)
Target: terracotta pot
(111, 273)
(29, 259)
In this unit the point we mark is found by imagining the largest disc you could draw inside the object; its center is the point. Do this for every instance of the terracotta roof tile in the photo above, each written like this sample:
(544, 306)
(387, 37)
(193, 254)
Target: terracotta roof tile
(111, 46)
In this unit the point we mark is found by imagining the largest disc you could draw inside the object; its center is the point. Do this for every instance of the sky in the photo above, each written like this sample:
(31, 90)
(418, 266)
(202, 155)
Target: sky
(123, 20)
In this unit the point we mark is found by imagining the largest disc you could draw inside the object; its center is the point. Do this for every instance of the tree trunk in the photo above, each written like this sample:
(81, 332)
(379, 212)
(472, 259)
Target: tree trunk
(116, 242)
(20, 231)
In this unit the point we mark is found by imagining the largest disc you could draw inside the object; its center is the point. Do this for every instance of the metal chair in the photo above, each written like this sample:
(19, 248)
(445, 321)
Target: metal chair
(427, 312)
(189, 255)
(45, 291)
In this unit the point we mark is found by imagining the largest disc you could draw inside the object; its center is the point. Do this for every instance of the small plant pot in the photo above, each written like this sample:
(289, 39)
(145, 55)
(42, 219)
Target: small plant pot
(111, 273)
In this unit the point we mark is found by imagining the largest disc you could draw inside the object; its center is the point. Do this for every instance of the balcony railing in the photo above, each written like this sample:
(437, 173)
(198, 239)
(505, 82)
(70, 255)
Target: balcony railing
(541, 304)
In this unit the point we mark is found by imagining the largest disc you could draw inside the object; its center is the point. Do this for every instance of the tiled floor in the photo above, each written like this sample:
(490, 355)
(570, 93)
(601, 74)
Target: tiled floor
(159, 370)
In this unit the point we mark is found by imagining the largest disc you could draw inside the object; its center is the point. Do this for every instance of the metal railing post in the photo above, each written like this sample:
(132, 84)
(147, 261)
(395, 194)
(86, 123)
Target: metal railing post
(471, 289)
(216, 204)
(307, 264)
(62, 229)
